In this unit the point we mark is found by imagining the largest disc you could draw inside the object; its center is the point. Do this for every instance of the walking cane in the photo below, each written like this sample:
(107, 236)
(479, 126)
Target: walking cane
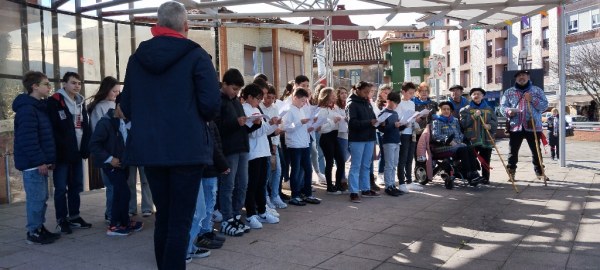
(537, 144)
(512, 180)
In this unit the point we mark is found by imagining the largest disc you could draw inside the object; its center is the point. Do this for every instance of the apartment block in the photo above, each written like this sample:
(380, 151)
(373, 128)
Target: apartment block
(401, 46)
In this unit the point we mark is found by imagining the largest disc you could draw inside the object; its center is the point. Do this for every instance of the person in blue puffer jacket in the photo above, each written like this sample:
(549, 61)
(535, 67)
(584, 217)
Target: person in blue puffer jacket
(35, 152)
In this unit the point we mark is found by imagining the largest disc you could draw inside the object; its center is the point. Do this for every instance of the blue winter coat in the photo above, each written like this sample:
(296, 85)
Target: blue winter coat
(171, 91)
(34, 141)
(107, 140)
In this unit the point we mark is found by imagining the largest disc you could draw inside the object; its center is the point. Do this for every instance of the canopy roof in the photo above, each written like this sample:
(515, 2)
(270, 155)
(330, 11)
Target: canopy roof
(394, 14)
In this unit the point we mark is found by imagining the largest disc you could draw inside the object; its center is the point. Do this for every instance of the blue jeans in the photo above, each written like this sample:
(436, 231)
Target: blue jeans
(109, 194)
(175, 193)
(233, 186)
(301, 176)
(345, 151)
(199, 216)
(320, 154)
(209, 187)
(68, 183)
(314, 156)
(274, 177)
(118, 179)
(392, 151)
(36, 194)
(147, 204)
(362, 157)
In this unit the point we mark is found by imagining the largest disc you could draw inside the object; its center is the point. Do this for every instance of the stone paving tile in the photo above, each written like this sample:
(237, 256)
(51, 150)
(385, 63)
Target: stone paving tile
(369, 226)
(374, 252)
(425, 254)
(525, 259)
(393, 266)
(343, 262)
(577, 261)
(486, 251)
(350, 234)
(470, 264)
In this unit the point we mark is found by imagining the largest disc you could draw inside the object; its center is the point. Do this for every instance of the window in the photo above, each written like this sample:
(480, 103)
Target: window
(448, 37)
(342, 73)
(290, 65)
(573, 23)
(267, 61)
(595, 18)
(488, 49)
(465, 56)
(448, 59)
(465, 79)
(489, 74)
(545, 38)
(464, 35)
(526, 43)
(249, 60)
(354, 76)
(525, 23)
(546, 65)
(415, 64)
(412, 47)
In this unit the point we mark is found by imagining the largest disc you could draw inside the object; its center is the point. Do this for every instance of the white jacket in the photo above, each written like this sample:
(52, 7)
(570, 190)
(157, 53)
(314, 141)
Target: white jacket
(296, 133)
(259, 143)
(330, 124)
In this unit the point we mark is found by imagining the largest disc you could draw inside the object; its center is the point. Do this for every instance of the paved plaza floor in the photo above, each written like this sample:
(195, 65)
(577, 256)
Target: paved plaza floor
(488, 227)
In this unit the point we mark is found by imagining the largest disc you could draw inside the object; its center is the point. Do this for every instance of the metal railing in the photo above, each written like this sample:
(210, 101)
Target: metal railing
(586, 125)
(500, 52)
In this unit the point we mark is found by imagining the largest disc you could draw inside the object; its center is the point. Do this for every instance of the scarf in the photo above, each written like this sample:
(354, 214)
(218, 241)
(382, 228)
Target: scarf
(446, 119)
(523, 88)
(418, 101)
(463, 103)
(159, 31)
(481, 105)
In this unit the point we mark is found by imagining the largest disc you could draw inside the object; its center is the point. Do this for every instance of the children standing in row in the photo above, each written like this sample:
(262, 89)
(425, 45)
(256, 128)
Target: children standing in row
(390, 142)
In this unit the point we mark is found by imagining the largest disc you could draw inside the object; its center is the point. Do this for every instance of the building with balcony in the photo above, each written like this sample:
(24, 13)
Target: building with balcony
(401, 46)
(478, 57)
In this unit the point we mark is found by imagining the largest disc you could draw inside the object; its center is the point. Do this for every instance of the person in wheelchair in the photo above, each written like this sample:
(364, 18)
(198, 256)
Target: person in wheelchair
(447, 140)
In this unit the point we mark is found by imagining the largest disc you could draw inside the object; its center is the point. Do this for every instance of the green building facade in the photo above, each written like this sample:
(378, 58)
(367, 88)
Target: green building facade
(397, 51)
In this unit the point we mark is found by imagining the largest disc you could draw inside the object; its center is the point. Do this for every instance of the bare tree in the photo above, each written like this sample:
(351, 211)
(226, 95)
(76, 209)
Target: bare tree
(583, 70)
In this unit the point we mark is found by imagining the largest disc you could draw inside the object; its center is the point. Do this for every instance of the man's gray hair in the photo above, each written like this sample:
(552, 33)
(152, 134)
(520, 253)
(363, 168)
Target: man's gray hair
(172, 15)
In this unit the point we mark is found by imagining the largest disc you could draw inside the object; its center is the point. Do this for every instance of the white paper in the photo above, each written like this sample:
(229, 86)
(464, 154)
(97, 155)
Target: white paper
(382, 118)
(282, 113)
(418, 114)
(252, 118)
(320, 122)
(314, 111)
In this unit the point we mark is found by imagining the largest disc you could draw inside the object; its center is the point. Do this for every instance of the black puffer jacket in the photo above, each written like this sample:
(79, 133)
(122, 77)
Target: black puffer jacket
(219, 160)
(360, 113)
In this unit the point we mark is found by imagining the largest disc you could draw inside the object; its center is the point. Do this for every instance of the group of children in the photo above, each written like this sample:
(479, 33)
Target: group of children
(260, 142)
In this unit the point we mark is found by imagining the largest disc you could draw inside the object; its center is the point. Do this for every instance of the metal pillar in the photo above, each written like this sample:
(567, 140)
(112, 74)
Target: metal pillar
(562, 80)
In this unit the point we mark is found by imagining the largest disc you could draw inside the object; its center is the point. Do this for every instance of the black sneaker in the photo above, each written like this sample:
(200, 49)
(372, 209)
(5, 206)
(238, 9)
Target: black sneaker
(230, 227)
(370, 194)
(311, 200)
(354, 198)
(205, 242)
(80, 223)
(240, 224)
(38, 238)
(213, 236)
(284, 196)
(64, 226)
(51, 235)
(393, 191)
(297, 202)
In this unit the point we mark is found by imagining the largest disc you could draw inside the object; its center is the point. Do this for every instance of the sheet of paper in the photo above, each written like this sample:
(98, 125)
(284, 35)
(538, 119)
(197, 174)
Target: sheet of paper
(251, 118)
(320, 122)
(382, 118)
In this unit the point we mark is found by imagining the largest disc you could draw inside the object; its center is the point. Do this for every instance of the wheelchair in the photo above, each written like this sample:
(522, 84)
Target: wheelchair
(447, 167)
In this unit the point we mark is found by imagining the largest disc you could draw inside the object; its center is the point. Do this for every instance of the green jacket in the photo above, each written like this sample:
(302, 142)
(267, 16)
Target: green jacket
(471, 125)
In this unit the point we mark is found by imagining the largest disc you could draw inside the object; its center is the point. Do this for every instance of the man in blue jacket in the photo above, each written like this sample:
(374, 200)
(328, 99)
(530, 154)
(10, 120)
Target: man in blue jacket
(170, 94)
(34, 153)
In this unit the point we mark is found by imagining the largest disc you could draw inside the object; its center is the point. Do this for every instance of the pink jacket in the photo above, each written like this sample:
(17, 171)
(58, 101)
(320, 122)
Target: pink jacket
(423, 150)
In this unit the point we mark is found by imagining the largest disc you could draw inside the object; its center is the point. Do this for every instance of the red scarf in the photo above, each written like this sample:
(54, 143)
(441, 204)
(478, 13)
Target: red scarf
(164, 31)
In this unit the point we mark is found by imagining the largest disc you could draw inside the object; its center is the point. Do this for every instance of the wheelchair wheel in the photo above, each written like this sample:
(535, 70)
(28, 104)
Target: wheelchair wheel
(421, 174)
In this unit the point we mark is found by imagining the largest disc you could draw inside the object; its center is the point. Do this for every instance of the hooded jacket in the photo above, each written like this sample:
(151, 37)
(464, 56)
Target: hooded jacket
(107, 140)
(233, 136)
(170, 93)
(360, 113)
(34, 141)
(219, 159)
(513, 98)
(71, 144)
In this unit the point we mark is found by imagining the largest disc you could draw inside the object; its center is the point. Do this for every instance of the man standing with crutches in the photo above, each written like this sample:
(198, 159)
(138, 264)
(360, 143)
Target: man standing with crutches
(523, 104)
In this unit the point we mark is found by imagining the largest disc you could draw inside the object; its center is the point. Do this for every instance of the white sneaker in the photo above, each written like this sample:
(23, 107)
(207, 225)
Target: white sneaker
(270, 203)
(217, 216)
(286, 185)
(268, 218)
(322, 179)
(380, 179)
(253, 222)
(403, 188)
(415, 187)
(278, 203)
(272, 211)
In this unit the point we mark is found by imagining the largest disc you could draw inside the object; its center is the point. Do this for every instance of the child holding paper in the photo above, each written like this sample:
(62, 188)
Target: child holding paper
(391, 142)
(406, 111)
(328, 140)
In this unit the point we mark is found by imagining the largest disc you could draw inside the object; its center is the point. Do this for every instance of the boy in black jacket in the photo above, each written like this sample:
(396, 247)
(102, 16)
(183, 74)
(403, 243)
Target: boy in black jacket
(108, 145)
(202, 226)
(66, 109)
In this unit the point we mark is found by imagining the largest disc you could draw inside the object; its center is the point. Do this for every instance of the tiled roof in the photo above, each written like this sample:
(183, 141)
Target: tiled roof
(357, 51)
